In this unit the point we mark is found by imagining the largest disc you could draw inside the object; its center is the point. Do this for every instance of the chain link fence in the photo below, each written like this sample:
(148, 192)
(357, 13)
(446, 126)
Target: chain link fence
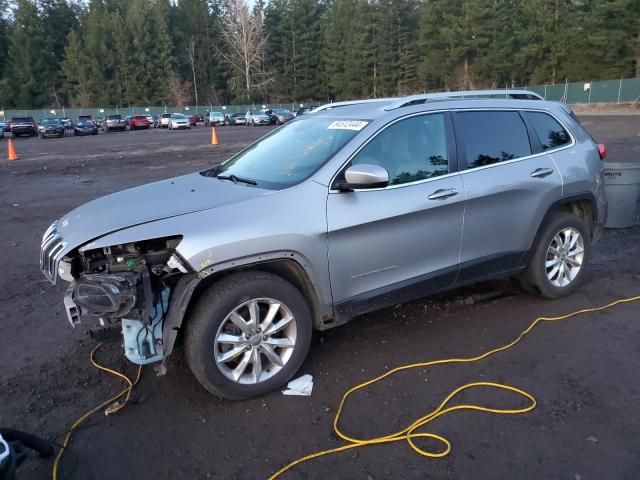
(604, 91)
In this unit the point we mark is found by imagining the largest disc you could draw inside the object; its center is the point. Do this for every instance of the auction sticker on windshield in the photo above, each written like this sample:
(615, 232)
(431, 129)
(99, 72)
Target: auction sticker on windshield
(356, 125)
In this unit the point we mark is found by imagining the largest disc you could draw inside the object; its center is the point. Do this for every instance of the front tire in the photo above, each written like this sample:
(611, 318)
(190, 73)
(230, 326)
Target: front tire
(248, 335)
(560, 257)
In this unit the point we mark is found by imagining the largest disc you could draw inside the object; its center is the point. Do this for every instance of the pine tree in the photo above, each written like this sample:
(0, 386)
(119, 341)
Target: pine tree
(26, 62)
(58, 19)
(74, 73)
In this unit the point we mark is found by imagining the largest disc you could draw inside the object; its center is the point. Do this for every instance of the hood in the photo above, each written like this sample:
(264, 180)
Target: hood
(153, 201)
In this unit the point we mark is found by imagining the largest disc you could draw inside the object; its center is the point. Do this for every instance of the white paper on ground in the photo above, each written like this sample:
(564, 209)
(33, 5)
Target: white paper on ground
(300, 386)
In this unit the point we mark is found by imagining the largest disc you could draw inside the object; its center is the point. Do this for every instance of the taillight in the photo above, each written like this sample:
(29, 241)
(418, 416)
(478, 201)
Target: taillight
(602, 150)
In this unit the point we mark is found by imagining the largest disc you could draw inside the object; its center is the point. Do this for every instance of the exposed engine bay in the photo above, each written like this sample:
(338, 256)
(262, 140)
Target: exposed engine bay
(130, 283)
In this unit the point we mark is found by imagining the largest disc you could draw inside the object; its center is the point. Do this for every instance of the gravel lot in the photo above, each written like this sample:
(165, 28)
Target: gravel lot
(583, 371)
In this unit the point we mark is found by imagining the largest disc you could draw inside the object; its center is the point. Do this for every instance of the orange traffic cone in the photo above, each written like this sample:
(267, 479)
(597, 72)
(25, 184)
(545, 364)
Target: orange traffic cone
(214, 137)
(11, 149)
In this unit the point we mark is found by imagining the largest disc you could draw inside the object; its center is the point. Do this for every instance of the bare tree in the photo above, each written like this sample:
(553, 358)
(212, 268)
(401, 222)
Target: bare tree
(178, 91)
(245, 41)
(191, 53)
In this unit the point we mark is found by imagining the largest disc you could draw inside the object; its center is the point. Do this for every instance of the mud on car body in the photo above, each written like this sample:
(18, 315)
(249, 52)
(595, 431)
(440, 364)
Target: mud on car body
(337, 213)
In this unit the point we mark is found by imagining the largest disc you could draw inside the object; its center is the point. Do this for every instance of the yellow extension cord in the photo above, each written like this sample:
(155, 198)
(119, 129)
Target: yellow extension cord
(407, 434)
(112, 405)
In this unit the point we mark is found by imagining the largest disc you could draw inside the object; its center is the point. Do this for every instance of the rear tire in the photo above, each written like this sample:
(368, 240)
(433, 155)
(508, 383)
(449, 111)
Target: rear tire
(560, 257)
(210, 320)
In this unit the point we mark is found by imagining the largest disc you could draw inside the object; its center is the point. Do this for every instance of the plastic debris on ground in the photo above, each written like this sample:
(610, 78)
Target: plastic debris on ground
(301, 386)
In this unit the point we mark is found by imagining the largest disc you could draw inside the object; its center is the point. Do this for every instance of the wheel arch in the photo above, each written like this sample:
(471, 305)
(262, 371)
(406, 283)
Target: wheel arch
(290, 266)
(582, 205)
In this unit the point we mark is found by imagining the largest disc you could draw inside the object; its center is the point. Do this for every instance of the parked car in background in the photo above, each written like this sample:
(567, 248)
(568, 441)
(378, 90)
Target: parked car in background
(178, 121)
(3, 128)
(139, 122)
(236, 119)
(163, 120)
(99, 121)
(214, 119)
(127, 119)
(200, 118)
(193, 121)
(282, 115)
(85, 117)
(114, 122)
(23, 126)
(67, 122)
(85, 127)
(150, 118)
(257, 117)
(51, 127)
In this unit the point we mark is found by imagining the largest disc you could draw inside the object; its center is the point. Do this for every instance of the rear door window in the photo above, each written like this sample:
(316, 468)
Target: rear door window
(491, 137)
(411, 150)
(550, 133)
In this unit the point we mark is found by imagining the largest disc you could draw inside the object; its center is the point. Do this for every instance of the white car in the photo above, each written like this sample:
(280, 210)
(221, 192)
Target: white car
(257, 117)
(178, 121)
(215, 119)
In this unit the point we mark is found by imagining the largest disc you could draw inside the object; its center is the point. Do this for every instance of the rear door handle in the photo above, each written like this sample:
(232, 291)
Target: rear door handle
(443, 193)
(541, 172)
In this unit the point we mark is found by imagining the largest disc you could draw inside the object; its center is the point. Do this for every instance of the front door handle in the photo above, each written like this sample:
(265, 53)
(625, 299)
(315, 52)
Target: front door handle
(443, 193)
(541, 172)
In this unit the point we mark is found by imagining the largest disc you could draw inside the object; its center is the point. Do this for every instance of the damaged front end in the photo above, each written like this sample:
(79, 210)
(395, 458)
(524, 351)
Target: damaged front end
(143, 285)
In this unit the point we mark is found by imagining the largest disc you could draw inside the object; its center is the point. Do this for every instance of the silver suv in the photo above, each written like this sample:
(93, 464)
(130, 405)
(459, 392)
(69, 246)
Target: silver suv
(337, 213)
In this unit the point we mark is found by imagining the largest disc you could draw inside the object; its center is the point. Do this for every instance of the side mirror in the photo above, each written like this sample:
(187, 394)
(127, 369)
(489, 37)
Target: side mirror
(365, 176)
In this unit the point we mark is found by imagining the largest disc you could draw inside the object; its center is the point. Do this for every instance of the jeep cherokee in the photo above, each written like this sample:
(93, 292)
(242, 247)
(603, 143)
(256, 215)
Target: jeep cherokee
(337, 213)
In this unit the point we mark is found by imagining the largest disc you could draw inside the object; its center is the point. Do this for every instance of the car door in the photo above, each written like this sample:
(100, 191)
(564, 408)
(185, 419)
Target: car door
(509, 185)
(391, 244)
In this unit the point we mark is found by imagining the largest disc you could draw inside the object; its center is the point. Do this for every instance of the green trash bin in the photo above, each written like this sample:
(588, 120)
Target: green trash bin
(621, 181)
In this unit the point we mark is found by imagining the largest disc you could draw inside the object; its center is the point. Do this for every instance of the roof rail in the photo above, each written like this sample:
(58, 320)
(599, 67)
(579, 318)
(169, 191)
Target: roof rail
(469, 94)
(329, 106)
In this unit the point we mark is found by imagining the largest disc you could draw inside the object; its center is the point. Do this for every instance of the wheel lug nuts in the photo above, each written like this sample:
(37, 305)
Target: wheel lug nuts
(258, 330)
(265, 338)
(248, 349)
(247, 336)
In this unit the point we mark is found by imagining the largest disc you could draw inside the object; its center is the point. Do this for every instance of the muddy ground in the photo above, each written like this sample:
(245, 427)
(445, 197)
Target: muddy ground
(583, 371)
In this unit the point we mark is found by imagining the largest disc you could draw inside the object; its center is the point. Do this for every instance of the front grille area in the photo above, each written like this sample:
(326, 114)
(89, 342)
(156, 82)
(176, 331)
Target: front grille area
(50, 252)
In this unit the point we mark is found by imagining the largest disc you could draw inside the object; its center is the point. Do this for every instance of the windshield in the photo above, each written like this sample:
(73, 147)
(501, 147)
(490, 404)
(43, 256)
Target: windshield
(291, 153)
(216, 114)
(50, 121)
(85, 123)
(178, 116)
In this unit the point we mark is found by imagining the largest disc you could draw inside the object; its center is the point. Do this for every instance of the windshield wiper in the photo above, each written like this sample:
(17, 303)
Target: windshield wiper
(236, 179)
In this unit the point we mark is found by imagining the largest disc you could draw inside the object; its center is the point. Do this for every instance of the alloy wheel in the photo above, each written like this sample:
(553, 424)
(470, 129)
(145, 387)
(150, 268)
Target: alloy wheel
(564, 258)
(255, 341)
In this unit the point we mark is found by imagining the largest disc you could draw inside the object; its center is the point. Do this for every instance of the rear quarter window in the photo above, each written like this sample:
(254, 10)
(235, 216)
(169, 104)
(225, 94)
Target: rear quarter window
(492, 137)
(550, 133)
